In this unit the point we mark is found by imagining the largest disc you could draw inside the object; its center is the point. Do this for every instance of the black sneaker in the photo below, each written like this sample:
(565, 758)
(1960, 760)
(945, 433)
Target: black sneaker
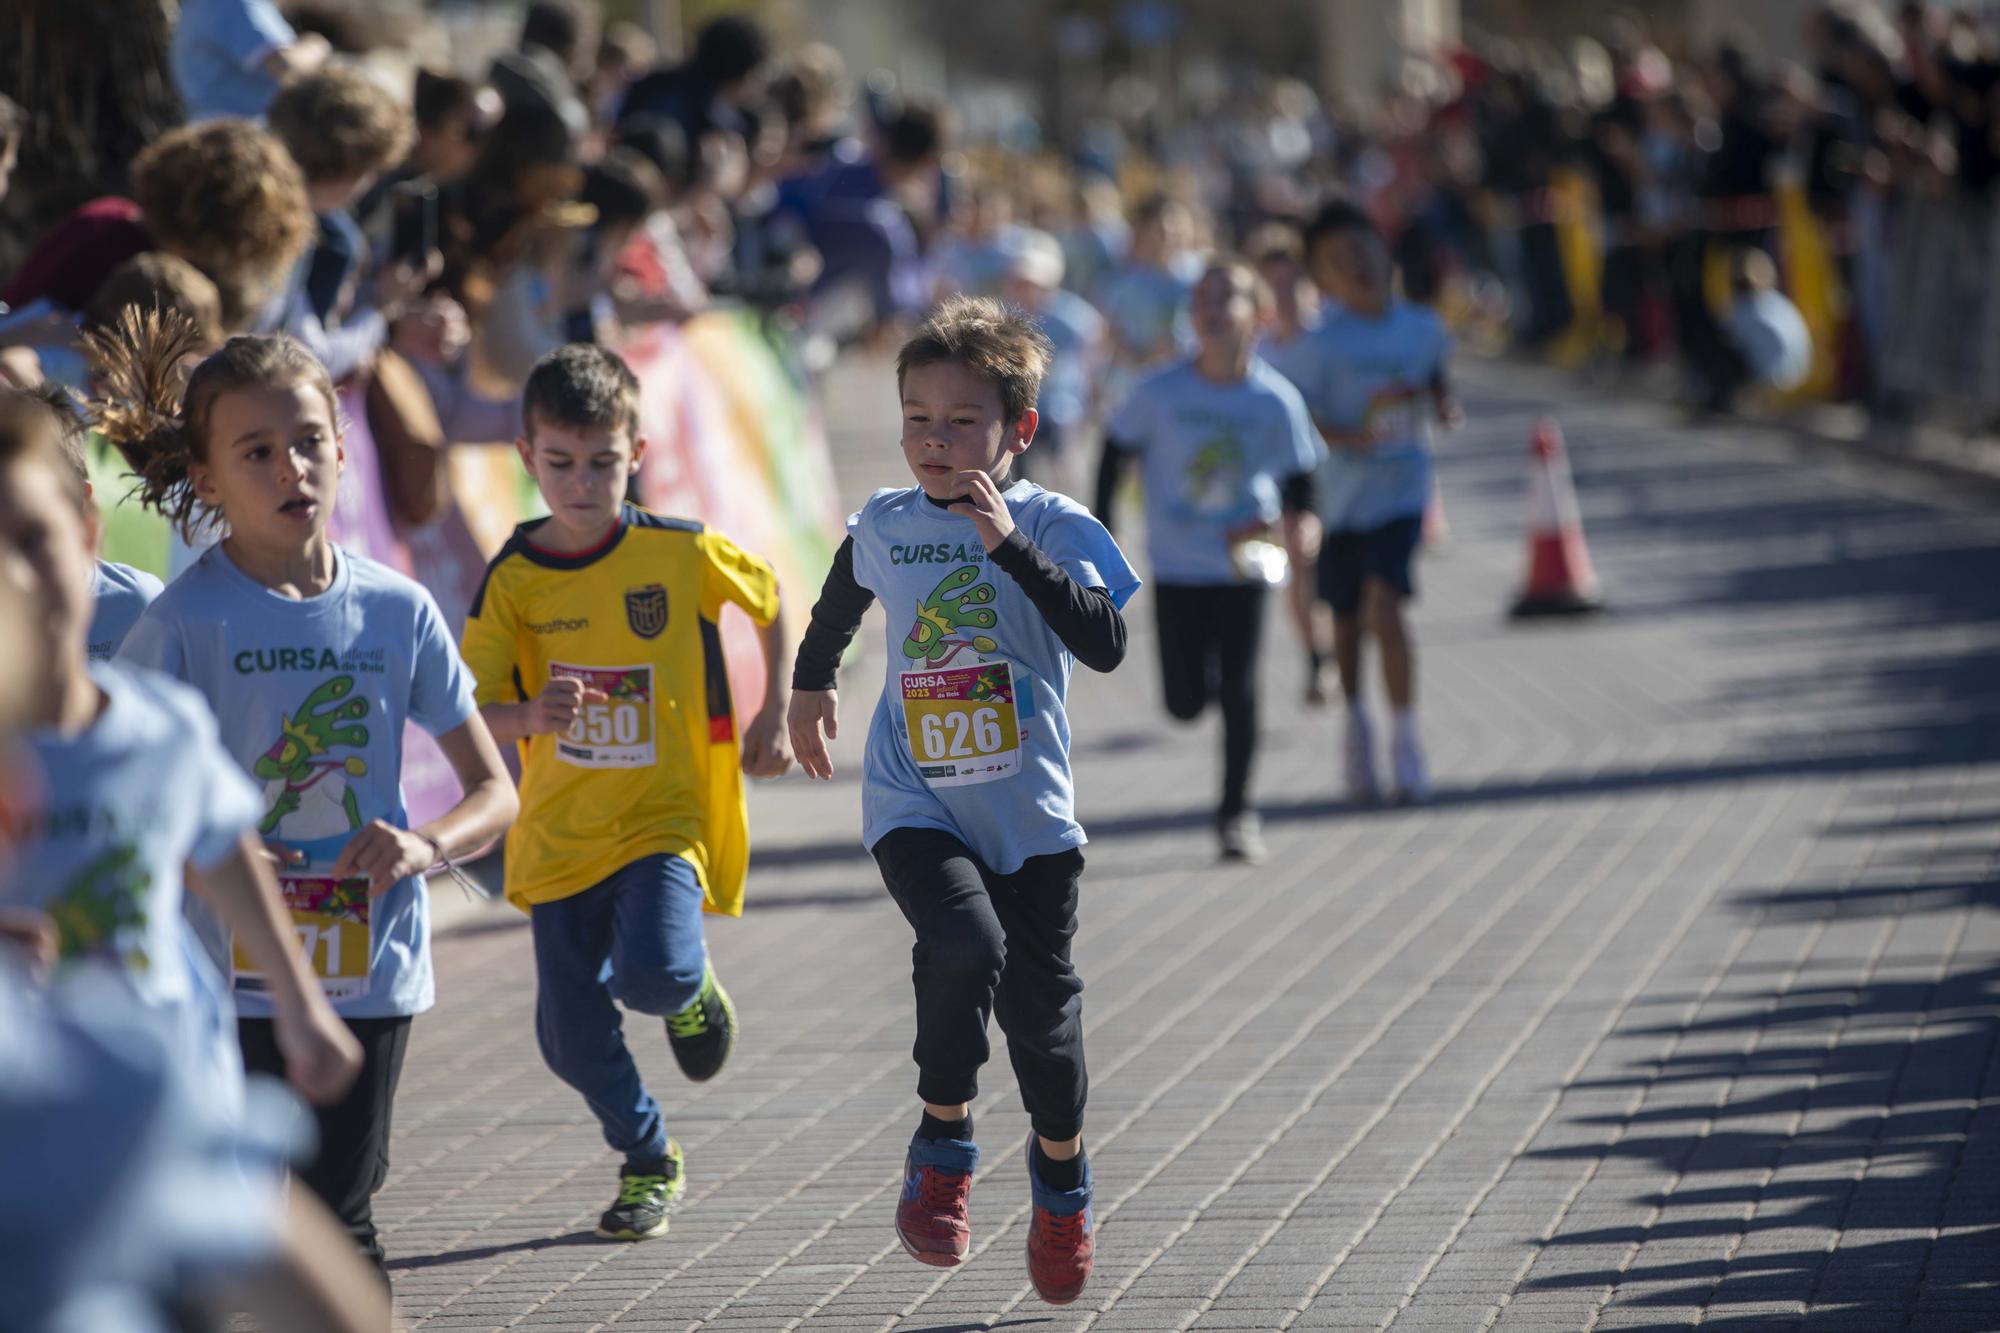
(704, 1033)
(647, 1192)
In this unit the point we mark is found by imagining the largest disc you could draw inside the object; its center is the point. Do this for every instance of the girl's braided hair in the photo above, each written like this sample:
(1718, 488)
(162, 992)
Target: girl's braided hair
(159, 421)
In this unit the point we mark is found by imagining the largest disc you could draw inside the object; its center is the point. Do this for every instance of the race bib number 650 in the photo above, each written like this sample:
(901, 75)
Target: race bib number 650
(963, 727)
(615, 731)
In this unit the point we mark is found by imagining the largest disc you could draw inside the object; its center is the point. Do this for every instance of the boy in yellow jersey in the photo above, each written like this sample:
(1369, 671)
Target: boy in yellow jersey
(595, 644)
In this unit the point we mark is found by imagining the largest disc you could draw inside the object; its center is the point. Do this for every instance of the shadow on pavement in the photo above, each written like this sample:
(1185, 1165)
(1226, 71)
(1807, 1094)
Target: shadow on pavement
(411, 1262)
(1883, 1139)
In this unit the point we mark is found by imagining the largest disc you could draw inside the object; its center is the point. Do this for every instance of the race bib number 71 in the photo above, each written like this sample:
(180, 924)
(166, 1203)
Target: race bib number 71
(963, 727)
(332, 920)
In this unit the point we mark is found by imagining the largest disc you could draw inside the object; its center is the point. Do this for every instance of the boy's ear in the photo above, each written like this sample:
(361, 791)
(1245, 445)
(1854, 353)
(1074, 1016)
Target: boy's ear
(527, 453)
(1023, 432)
(638, 451)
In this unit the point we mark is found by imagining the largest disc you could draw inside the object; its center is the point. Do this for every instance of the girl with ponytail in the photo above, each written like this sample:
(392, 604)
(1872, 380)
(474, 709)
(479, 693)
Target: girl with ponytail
(313, 659)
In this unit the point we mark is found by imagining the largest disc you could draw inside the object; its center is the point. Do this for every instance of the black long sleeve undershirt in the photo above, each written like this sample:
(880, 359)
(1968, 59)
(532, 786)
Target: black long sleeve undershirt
(1085, 619)
(1110, 466)
(835, 618)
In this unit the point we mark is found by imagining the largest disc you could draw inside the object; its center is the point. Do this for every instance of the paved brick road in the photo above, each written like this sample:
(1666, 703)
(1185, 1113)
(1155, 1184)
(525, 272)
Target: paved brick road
(1678, 1006)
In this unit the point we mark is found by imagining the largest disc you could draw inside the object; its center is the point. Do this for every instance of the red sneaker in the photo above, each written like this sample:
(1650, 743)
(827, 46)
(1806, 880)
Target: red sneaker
(1062, 1238)
(932, 1220)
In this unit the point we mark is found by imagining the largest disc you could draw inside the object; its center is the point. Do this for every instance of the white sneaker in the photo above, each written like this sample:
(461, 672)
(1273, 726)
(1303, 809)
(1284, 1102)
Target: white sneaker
(1413, 779)
(1361, 785)
(1242, 838)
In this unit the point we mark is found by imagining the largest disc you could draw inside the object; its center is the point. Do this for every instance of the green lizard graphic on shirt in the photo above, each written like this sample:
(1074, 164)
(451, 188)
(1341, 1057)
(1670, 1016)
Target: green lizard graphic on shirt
(106, 899)
(305, 785)
(1214, 475)
(958, 603)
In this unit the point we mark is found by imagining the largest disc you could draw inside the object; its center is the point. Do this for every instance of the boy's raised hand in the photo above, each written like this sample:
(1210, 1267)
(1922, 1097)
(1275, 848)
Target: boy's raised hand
(812, 713)
(766, 752)
(980, 501)
(556, 707)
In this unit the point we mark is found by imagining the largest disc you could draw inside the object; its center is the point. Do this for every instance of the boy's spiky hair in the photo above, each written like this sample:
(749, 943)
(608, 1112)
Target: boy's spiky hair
(581, 384)
(991, 340)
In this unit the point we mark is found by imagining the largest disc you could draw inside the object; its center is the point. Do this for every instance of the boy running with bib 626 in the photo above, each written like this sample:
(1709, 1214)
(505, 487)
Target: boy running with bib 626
(994, 590)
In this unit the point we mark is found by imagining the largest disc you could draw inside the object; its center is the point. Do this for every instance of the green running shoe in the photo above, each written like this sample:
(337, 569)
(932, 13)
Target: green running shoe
(704, 1033)
(647, 1192)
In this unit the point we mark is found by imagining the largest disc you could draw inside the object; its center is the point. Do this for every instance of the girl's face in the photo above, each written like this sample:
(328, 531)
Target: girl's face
(953, 422)
(1223, 310)
(274, 459)
(48, 545)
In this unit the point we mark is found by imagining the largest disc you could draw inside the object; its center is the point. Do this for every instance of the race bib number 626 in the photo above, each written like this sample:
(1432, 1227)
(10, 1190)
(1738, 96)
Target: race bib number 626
(963, 727)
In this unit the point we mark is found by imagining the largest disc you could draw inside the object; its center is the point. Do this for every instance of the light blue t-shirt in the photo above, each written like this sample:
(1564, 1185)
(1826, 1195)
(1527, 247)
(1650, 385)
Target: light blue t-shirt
(162, 1190)
(972, 661)
(312, 696)
(1091, 250)
(122, 595)
(1295, 359)
(141, 793)
(1376, 371)
(1076, 330)
(975, 267)
(217, 53)
(1146, 305)
(1213, 461)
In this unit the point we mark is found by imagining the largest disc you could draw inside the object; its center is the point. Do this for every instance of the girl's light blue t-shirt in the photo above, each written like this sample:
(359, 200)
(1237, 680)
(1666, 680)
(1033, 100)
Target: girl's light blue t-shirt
(962, 630)
(1213, 461)
(311, 696)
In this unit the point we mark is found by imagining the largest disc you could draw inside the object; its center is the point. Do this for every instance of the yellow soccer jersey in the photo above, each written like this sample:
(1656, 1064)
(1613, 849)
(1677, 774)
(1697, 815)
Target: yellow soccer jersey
(656, 766)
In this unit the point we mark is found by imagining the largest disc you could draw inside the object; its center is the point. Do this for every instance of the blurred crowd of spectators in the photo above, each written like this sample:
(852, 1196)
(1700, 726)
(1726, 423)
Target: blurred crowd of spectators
(434, 232)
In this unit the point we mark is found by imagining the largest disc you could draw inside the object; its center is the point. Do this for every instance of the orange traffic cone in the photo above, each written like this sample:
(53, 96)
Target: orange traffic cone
(1560, 579)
